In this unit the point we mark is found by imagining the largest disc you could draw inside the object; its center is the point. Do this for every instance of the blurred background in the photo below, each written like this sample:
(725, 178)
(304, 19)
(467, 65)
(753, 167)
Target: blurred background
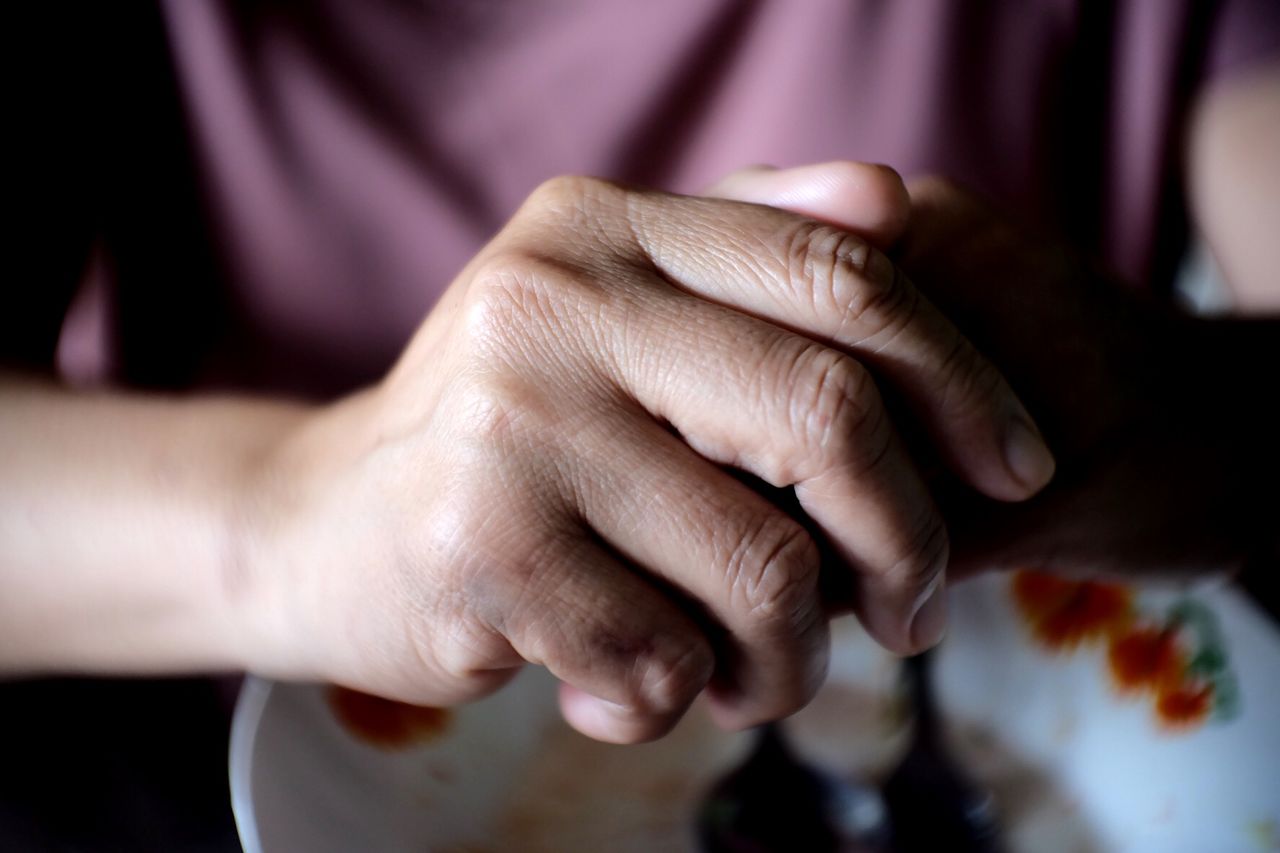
(269, 196)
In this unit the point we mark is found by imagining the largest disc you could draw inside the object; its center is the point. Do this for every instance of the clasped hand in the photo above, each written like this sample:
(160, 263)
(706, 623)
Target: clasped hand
(550, 473)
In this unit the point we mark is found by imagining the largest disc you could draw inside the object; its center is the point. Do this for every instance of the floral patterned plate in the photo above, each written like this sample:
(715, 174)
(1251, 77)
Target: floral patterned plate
(1104, 718)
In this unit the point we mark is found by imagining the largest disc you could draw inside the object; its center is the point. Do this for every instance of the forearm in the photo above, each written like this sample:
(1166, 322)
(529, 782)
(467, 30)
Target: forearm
(120, 517)
(1233, 178)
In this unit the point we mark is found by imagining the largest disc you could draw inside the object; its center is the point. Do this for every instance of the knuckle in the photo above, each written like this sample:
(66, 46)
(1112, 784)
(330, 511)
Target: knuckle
(499, 294)
(505, 266)
(519, 279)
(498, 560)
(447, 645)
(560, 191)
(884, 303)
(669, 683)
(855, 287)
(522, 301)
(837, 413)
(773, 575)
(837, 405)
(832, 410)
(493, 408)
(498, 409)
(564, 198)
(473, 659)
(529, 575)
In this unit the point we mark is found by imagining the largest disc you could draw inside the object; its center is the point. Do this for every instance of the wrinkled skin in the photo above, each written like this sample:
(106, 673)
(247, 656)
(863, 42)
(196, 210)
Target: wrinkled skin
(1151, 414)
(542, 478)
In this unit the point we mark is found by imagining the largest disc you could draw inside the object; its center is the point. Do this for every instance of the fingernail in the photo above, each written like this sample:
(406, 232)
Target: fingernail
(600, 718)
(604, 710)
(1029, 460)
(929, 622)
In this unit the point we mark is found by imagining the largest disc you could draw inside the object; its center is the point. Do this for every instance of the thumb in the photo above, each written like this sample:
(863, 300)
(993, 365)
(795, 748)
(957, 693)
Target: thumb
(865, 198)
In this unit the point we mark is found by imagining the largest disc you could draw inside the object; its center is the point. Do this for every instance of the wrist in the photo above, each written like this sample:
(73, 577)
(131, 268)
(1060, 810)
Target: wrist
(287, 528)
(259, 630)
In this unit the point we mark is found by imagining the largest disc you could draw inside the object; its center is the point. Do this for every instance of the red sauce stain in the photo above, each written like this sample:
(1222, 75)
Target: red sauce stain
(1064, 614)
(1146, 658)
(1185, 705)
(385, 723)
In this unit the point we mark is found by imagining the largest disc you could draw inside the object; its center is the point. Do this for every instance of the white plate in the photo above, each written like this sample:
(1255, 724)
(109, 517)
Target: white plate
(1076, 763)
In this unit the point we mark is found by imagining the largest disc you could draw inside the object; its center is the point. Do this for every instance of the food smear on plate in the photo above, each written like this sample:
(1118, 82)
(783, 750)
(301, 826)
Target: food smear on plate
(385, 723)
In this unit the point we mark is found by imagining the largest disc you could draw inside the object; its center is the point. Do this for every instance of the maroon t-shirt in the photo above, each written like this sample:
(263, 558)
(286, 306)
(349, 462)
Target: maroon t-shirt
(351, 157)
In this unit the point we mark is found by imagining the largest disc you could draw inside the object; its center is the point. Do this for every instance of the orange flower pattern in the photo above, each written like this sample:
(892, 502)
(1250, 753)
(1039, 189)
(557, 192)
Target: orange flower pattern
(1064, 614)
(1176, 658)
(1185, 705)
(1146, 658)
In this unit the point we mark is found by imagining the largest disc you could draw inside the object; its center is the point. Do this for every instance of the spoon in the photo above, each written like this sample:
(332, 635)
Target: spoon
(932, 804)
(774, 802)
